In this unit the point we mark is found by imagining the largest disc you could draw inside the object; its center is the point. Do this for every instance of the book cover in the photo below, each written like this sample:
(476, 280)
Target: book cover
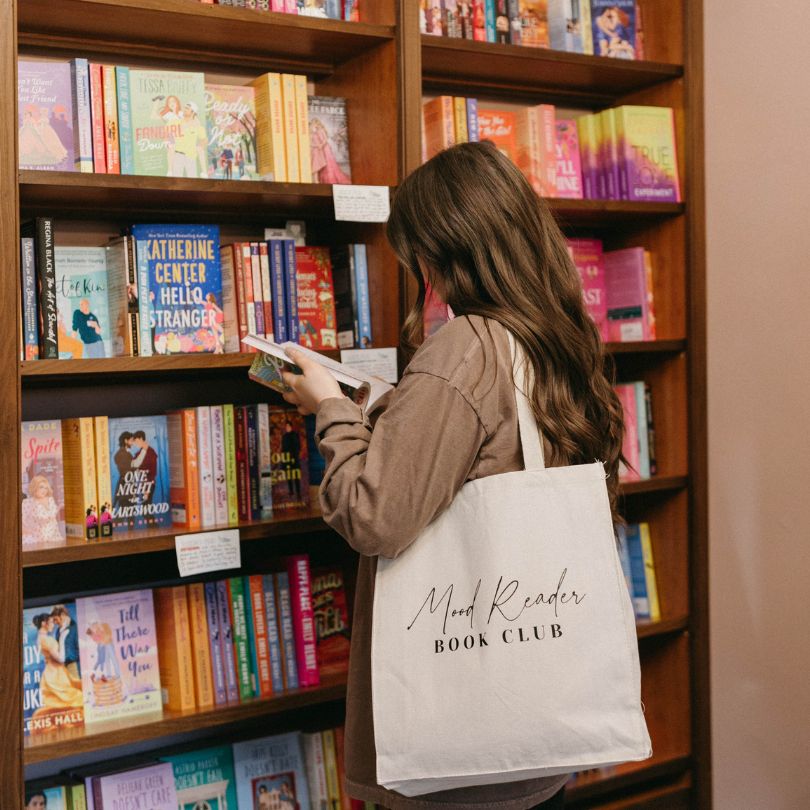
(498, 126)
(460, 119)
(535, 140)
(565, 25)
(149, 788)
(302, 123)
(168, 123)
(316, 298)
(628, 297)
(43, 492)
(118, 654)
(254, 586)
(82, 304)
(52, 684)
(649, 572)
(184, 473)
(613, 27)
(79, 461)
(502, 21)
(343, 284)
(205, 457)
(126, 144)
(101, 429)
(264, 460)
(215, 644)
(204, 780)
(111, 143)
(289, 658)
(629, 470)
(231, 127)
(362, 296)
(331, 612)
(329, 140)
(303, 620)
(430, 17)
(589, 260)
(122, 297)
(41, 230)
(255, 273)
(316, 771)
(176, 666)
(184, 287)
(28, 291)
(534, 23)
(82, 116)
(270, 149)
(273, 633)
(451, 21)
(290, 127)
(200, 646)
(45, 116)
(218, 465)
(472, 120)
(638, 573)
(241, 642)
(643, 434)
(465, 16)
(51, 797)
(288, 441)
(139, 466)
(267, 289)
(569, 168)
(270, 772)
(97, 118)
(234, 326)
(252, 426)
(230, 463)
(331, 767)
(438, 119)
(226, 640)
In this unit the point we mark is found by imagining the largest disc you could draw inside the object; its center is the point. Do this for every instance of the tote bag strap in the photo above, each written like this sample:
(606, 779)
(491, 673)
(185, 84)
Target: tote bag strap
(530, 439)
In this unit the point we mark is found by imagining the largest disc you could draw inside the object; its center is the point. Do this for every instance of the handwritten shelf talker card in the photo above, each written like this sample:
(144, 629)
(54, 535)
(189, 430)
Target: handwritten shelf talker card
(207, 551)
(361, 203)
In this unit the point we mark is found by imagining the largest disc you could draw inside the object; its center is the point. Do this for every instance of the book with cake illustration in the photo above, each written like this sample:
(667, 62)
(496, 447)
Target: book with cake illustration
(118, 655)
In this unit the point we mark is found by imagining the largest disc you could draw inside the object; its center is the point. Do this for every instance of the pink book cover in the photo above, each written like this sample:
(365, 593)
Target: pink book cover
(277, 5)
(630, 445)
(150, 788)
(291, 6)
(303, 620)
(628, 307)
(569, 167)
(588, 258)
(43, 488)
(118, 655)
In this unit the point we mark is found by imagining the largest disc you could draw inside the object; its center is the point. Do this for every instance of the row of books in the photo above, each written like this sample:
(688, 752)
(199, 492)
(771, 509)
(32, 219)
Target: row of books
(638, 445)
(638, 565)
(174, 289)
(621, 153)
(288, 771)
(110, 119)
(600, 27)
(348, 10)
(183, 649)
(196, 468)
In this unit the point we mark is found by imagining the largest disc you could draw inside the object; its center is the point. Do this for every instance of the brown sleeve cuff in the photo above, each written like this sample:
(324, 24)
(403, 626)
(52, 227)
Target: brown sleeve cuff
(337, 411)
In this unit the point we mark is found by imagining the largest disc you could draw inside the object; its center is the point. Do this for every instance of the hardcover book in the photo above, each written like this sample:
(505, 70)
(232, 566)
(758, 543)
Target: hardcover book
(119, 656)
(204, 780)
(150, 788)
(613, 26)
(139, 468)
(43, 489)
(231, 126)
(329, 140)
(316, 298)
(589, 260)
(331, 621)
(45, 116)
(569, 168)
(290, 459)
(52, 683)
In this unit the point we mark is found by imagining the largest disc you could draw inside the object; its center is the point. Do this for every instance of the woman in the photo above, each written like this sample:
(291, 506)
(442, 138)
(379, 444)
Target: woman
(58, 688)
(469, 224)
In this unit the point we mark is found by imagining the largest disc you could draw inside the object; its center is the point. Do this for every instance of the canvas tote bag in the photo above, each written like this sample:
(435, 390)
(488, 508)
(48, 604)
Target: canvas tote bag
(504, 643)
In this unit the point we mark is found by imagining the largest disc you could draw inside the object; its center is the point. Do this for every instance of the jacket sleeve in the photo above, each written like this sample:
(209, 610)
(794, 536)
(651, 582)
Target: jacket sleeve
(382, 486)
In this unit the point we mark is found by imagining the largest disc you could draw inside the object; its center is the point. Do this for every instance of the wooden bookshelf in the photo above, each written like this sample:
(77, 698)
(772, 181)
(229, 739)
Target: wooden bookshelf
(383, 66)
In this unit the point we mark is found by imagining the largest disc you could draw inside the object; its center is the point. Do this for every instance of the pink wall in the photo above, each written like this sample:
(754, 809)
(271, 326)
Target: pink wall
(758, 202)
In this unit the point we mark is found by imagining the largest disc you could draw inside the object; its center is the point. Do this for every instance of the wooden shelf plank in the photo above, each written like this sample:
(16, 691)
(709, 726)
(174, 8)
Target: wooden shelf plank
(185, 31)
(600, 213)
(481, 68)
(80, 740)
(664, 627)
(647, 347)
(660, 483)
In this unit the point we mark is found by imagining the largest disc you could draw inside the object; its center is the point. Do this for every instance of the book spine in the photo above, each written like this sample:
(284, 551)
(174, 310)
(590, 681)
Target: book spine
(585, 25)
(46, 288)
(230, 464)
(231, 324)
(144, 302)
(133, 301)
(641, 427)
(97, 111)
(125, 121)
(192, 468)
(620, 146)
(218, 465)
(583, 132)
(302, 121)
(649, 572)
(245, 269)
(363, 296)
(460, 119)
(227, 640)
(82, 115)
(303, 619)
(313, 754)
(101, 428)
(546, 119)
(513, 12)
(250, 624)
(28, 286)
(624, 559)
(650, 428)
(290, 127)
(240, 640)
(253, 461)
(291, 292)
(277, 5)
(650, 331)
(629, 471)
(208, 514)
(277, 127)
(88, 474)
(215, 644)
(112, 151)
(174, 638)
(255, 587)
(613, 156)
(276, 250)
(265, 461)
(472, 120)
(641, 600)
(330, 764)
(489, 15)
(340, 755)
(78, 456)
(200, 647)
(243, 488)
(288, 652)
(256, 280)
(273, 637)
(241, 294)
(267, 291)
(95, 793)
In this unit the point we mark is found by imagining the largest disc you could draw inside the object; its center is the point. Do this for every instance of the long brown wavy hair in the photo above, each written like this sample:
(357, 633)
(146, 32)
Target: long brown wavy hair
(490, 246)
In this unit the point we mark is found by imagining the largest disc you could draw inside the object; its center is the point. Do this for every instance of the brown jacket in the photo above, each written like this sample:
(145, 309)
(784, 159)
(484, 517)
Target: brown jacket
(452, 419)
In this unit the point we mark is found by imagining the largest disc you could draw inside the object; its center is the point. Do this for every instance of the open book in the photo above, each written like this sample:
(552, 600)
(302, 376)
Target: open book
(271, 360)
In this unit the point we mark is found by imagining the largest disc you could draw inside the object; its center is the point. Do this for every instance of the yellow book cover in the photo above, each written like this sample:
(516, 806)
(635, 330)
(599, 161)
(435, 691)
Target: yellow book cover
(650, 284)
(290, 127)
(302, 119)
(174, 648)
(200, 646)
(460, 119)
(230, 465)
(112, 150)
(330, 763)
(649, 572)
(270, 158)
(79, 459)
(103, 484)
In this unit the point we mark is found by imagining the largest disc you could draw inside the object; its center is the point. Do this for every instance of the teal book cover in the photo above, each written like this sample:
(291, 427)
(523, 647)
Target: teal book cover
(204, 779)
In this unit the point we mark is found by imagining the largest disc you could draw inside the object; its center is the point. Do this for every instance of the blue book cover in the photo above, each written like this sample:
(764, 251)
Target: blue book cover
(273, 639)
(52, 683)
(47, 798)
(613, 23)
(226, 640)
(641, 600)
(291, 292)
(82, 118)
(473, 135)
(275, 247)
(285, 621)
(82, 304)
(489, 11)
(364, 340)
(334, 10)
(146, 329)
(125, 142)
(251, 634)
(643, 434)
(204, 779)
(217, 659)
(139, 468)
(624, 557)
(179, 266)
(28, 291)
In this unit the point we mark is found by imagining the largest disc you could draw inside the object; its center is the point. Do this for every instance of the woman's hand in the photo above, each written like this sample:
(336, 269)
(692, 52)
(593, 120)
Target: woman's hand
(310, 388)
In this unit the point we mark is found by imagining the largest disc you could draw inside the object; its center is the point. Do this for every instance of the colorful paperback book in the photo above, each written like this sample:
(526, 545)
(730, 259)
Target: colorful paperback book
(82, 303)
(45, 116)
(264, 460)
(168, 123)
(273, 633)
(629, 469)
(219, 465)
(119, 656)
(533, 23)
(649, 572)
(226, 640)
(200, 646)
(139, 466)
(569, 168)
(316, 298)
(122, 295)
(54, 797)
(565, 25)
(215, 644)
(150, 788)
(613, 26)
(270, 772)
(303, 620)
(362, 295)
(628, 296)
(285, 629)
(498, 126)
(438, 124)
(430, 17)
(329, 140)
(638, 574)
(331, 621)
(231, 125)
(589, 260)
(82, 115)
(81, 492)
(43, 489)
(271, 154)
(643, 434)
(52, 683)
(28, 291)
(288, 442)
(126, 144)
(204, 780)
(241, 643)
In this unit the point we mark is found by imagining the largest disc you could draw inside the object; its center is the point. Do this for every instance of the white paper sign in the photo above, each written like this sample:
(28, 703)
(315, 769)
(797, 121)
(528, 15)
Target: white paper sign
(380, 363)
(361, 203)
(207, 551)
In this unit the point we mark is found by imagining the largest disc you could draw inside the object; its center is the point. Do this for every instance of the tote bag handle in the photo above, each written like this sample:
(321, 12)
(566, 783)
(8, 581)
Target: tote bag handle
(531, 441)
